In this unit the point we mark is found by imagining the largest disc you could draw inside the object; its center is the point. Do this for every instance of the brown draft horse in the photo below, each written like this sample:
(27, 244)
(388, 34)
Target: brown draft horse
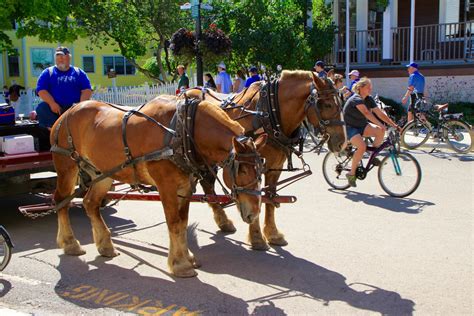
(96, 132)
(294, 89)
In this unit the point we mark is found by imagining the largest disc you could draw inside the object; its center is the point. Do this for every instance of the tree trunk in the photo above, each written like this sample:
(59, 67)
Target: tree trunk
(160, 64)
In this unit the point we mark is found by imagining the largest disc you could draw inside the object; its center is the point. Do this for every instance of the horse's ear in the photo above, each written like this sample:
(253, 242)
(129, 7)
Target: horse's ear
(238, 146)
(261, 141)
(318, 81)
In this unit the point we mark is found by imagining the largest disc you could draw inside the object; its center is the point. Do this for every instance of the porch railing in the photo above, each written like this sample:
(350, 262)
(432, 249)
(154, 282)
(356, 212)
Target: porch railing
(433, 43)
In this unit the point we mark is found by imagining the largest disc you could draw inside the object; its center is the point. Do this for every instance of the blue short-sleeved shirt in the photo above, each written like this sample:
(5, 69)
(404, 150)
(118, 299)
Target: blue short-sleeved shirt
(417, 80)
(322, 74)
(352, 84)
(223, 78)
(251, 80)
(64, 86)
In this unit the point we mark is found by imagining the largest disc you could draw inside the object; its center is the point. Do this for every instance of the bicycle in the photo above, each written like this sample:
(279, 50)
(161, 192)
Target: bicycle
(6, 246)
(399, 173)
(450, 128)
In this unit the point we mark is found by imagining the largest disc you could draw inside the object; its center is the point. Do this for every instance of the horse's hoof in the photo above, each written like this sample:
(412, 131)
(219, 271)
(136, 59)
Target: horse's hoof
(261, 246)
(74, 250)
(185, 273)
(108, 252)
(194, 262)
(277, 240)
(228, 227)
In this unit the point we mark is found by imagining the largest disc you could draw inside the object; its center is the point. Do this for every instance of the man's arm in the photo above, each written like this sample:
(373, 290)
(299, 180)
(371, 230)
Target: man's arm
(409, 91)
(48, 98)
(86, 94)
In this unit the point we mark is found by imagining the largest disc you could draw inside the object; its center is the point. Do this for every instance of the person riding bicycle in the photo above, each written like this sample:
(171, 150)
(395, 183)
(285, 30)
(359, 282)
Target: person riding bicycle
(416, 88)
(358, 111)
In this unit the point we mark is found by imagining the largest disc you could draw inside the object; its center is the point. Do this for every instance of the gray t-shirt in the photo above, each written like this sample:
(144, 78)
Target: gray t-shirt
(352, 116)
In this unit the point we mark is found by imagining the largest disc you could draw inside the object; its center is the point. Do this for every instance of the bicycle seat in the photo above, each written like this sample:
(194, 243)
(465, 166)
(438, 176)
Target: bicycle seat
(441, 107)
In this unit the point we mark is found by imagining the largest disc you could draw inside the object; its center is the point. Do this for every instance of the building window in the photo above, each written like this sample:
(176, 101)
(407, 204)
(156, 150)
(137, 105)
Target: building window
(88, 64)
(41, 58)
(118, 63)
(13, 64)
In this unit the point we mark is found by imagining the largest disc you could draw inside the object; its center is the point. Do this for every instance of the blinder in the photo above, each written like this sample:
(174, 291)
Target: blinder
(312, 102)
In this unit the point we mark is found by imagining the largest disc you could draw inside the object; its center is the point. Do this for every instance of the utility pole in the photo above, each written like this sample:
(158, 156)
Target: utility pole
(199, 73)
(195, 7)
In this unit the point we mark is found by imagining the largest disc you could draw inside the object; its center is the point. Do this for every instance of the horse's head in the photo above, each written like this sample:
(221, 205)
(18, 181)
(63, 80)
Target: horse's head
(242, 174)
(324, 111)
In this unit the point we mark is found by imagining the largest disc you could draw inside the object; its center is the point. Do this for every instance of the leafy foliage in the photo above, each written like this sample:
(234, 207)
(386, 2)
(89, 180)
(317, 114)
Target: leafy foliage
(273, 32)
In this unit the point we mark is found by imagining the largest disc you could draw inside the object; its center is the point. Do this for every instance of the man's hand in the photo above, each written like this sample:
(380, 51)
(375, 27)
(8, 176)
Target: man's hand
(55, 108)
(404, 99)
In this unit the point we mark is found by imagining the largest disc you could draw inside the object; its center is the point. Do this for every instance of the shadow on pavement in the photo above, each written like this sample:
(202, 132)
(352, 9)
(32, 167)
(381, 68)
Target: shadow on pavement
(289, 276)
(101, 284)
(40, 233)
(446, 154)
(5, 287)
(386, 202)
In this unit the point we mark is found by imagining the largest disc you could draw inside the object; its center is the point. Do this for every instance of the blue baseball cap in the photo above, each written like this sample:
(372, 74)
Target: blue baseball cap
(414, 65)
(253, 69)
(61, 50)
(319, 63)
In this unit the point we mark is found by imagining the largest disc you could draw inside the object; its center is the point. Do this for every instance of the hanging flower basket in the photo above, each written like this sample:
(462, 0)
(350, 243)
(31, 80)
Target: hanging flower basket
(214, 46)
(183, 44)
(381, 5)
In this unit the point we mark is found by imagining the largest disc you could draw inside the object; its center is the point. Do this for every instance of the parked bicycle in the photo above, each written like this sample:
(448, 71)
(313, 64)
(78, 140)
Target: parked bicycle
(449, 128)
(399, 173)
(6, 246)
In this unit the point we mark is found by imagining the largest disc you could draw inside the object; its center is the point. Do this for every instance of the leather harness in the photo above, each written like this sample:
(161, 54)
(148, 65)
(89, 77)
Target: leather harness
(179, 148)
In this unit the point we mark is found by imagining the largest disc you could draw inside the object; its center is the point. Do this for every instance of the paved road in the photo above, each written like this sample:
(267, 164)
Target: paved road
(351, 252)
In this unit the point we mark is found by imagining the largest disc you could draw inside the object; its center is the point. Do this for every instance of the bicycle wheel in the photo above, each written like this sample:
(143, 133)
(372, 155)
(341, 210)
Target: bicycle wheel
(399, 174)
(458, 136)
(415, 134)
(335, 167)
(5, 251)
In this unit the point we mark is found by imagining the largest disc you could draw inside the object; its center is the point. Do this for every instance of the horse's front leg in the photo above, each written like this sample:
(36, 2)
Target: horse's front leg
(275, 160)
(220, 217)
(271, 232)
(100, 231)
(67, 171)
(173, 192)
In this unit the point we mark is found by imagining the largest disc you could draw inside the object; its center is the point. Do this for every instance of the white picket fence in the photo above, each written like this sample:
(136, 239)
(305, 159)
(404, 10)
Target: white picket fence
(128, 96)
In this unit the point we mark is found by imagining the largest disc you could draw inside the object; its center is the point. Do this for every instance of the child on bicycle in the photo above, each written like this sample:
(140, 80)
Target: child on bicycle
(357, 114)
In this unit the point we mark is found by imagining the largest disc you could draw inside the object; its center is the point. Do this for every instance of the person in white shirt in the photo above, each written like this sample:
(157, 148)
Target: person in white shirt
(223, 80)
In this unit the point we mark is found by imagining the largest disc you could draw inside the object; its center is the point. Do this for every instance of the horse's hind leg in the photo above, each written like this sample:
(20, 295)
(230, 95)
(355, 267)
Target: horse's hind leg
(220, 217)
(67, 171)
(100, 231)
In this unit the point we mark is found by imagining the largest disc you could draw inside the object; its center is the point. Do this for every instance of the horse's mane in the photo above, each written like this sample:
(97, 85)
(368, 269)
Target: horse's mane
(296, 74)
(221, 116)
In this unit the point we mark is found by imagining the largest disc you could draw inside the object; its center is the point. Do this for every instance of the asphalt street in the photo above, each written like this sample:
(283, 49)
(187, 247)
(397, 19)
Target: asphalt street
(350, 252)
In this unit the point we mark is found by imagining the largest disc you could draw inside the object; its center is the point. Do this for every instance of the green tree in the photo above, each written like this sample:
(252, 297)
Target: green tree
(273, 32)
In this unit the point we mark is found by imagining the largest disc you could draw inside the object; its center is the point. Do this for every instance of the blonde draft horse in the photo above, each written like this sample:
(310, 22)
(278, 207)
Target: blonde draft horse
(294, 89)
(96, 131)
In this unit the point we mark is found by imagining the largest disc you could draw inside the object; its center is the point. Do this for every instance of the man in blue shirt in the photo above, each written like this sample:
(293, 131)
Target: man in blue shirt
(60, 86)
(254, 77)
(416, 86)
(223, 80)
(319, 68)
(354, 75)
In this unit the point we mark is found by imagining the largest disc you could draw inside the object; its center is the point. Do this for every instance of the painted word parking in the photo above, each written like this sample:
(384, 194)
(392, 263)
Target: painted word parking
(122, 301)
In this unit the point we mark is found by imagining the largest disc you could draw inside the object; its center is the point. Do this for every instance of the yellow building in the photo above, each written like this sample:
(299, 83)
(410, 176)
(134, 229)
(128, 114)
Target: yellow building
(34, 56)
